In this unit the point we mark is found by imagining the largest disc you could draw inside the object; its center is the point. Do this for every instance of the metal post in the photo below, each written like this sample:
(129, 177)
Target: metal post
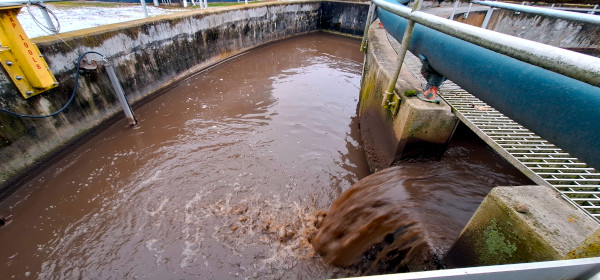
(363, 45)
(454, 9)
(49, 22)
(401, 55)
(593, 11)
(206, 4)
(144, 8)
(468, 11)
(246, 2)
(155, 3)
(110, 70)
(185, 3)
(486, 20)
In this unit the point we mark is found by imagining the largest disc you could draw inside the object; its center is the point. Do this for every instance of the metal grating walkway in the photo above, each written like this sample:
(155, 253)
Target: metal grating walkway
(540, 160)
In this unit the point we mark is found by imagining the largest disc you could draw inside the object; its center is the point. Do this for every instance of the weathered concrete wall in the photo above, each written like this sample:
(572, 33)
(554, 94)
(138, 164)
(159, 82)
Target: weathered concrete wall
(555, 32)
(524, 224)
(149, 55)
(418, 126)
(347, 18)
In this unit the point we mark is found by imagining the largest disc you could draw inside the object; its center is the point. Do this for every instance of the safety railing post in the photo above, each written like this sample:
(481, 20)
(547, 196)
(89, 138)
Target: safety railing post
(370, 14)
(401, 55)
(468, 11)
(454, 9)
(486, 20)
(144, 8)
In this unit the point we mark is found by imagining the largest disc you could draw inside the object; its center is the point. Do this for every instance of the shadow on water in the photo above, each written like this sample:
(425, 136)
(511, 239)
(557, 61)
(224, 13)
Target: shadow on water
(405, 217)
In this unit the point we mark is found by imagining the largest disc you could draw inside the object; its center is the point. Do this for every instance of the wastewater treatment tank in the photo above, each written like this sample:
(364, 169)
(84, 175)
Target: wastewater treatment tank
(224, 177)
(228, 173)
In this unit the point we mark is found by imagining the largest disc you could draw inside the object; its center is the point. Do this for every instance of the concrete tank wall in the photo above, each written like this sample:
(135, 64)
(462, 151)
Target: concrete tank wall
(149, 54)
(551, 31)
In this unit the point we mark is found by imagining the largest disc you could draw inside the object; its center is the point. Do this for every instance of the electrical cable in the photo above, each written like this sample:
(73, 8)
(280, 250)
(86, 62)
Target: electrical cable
(41, 25)
(77, 68)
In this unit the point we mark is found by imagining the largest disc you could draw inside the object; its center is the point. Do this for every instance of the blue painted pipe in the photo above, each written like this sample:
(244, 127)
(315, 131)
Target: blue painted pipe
(562, 110)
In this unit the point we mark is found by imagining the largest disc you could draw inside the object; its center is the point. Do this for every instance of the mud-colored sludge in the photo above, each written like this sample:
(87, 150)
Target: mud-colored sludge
(405, 218)
(225, 177)
(220, 180)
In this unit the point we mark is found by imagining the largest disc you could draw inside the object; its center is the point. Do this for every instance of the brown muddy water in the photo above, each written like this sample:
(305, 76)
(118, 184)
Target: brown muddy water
(222, 177)
(405, 218)
(219, 179)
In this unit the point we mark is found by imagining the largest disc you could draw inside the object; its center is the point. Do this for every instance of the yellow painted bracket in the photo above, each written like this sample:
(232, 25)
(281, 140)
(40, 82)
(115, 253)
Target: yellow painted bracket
(21, 58)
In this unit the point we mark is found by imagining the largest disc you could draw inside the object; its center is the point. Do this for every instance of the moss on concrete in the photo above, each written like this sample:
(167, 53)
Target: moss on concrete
(550, 229)
(589, 248)
(496, 243)
(410, 93)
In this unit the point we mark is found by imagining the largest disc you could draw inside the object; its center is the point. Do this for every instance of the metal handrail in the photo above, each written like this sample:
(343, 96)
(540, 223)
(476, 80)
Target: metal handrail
(568, 63)
(566, 15)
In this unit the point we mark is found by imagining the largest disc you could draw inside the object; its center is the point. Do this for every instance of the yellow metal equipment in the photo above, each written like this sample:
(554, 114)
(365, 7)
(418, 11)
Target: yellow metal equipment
(21, 58)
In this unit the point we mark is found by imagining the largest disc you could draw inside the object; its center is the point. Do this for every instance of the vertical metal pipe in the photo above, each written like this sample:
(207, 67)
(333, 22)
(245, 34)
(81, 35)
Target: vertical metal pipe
(110, 70)
(49, 22)
(468, 11)
(246, 2)
(402, 52)
(144, 8)
(185, 3)
(486, 20)
(155, 3)
(363, 45)
(454, 9)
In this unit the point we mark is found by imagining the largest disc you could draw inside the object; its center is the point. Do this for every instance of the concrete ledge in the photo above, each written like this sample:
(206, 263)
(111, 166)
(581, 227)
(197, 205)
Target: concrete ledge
(418, 126)
(524, 224)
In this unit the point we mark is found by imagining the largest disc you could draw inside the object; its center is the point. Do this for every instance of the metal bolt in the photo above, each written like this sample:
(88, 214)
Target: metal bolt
(19, 77)
(28, 92)
(9, 63)
(41, 55)
(56, 83)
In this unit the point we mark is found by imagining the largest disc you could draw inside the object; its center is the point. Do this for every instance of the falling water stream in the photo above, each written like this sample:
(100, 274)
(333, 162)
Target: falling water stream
(223, 178)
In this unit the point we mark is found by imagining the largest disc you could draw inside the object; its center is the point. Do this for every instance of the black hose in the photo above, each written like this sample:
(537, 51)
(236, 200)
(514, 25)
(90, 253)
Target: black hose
(78, 67)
